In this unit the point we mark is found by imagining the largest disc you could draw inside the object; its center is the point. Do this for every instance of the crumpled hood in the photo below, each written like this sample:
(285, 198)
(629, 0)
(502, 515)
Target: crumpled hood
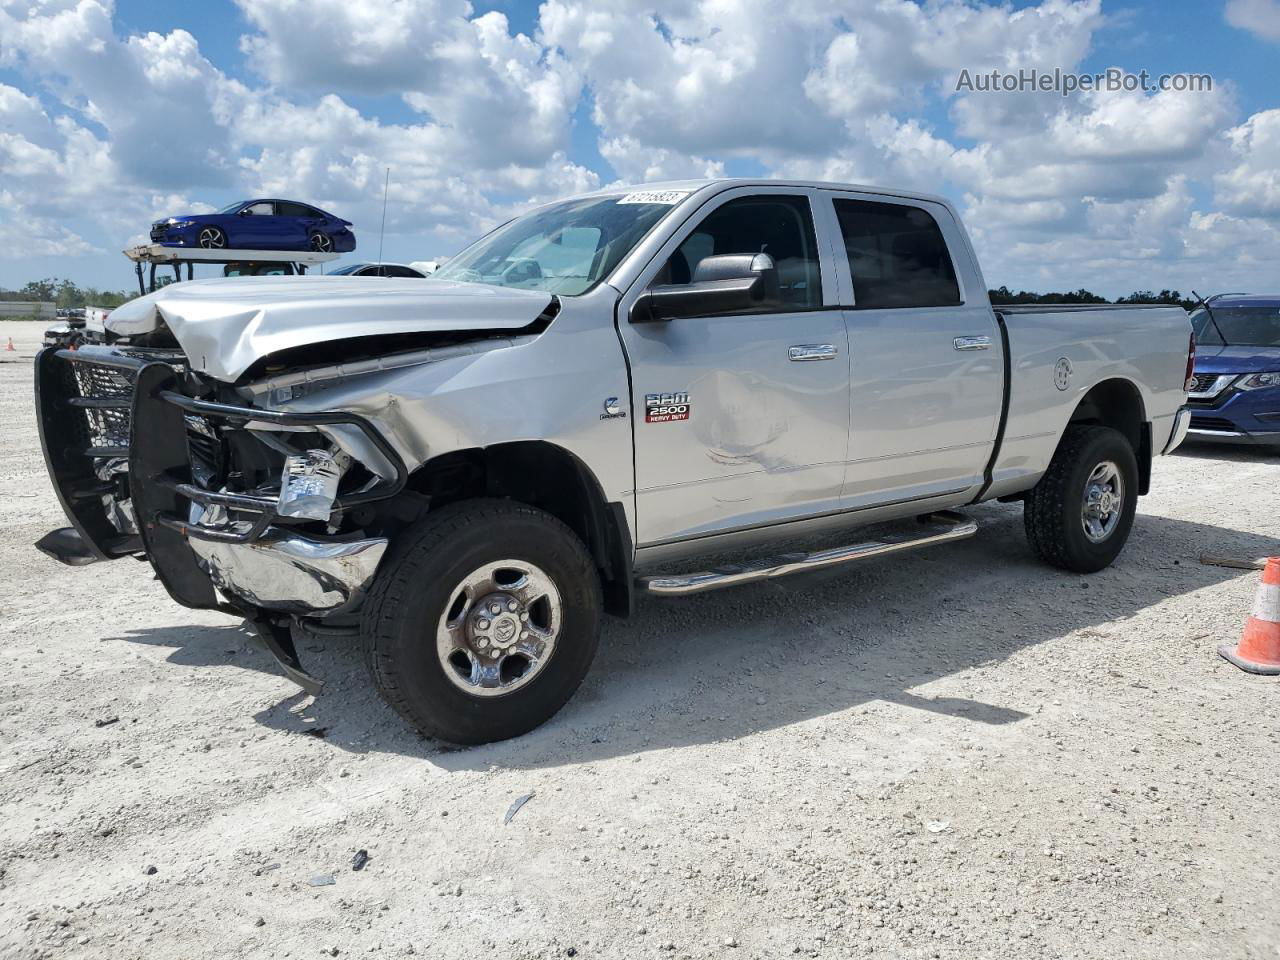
(224, 326)
(1236, 359)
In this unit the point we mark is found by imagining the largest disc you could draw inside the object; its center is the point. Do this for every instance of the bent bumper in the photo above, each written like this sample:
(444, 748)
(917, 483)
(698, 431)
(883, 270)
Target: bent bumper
(291, 573)
(118, 433)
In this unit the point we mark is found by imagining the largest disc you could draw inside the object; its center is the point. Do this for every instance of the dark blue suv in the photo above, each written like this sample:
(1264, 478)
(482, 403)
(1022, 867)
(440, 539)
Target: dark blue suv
(258, 225)
(1235, 397)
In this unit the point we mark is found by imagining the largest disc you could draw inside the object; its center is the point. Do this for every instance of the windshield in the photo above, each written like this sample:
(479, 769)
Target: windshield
(232, 207)
(1239, 326)
(566, 248)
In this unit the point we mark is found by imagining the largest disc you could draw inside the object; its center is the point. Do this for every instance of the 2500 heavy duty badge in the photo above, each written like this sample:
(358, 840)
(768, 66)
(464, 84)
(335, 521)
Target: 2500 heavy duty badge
(666, 407)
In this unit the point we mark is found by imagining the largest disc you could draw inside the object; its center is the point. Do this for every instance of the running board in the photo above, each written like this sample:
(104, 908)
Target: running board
(942, 527)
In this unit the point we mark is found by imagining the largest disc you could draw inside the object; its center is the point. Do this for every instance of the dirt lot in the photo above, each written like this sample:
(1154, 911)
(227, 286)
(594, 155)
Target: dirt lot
(958, 754)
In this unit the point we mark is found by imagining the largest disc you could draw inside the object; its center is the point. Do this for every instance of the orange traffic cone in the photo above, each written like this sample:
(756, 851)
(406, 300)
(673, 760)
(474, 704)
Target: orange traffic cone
(11, 348)
(1259, 647)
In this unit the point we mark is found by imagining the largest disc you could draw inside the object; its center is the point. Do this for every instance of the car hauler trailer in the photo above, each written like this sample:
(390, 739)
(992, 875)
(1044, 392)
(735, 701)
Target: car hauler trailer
(148, 256)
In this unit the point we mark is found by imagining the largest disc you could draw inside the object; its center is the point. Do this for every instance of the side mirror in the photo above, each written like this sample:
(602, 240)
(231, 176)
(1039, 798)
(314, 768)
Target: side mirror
(728, 283)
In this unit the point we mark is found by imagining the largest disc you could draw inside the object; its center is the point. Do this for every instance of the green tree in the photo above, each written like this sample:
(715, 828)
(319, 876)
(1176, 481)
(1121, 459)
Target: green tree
(65, 293)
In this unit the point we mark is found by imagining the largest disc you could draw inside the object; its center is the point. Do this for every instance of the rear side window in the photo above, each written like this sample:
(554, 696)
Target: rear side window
(777, 225)
(897, 256)
(287, 209)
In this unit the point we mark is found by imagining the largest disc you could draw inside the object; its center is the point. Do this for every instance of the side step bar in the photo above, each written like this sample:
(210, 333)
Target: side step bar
(942, 527)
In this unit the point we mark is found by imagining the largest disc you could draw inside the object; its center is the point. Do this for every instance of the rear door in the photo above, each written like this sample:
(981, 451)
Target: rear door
(740, 420)
(926, 358)
(295, 222)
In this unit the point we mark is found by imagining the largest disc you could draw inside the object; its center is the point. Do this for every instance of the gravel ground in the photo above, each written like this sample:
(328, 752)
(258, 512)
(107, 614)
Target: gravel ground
(959, 754)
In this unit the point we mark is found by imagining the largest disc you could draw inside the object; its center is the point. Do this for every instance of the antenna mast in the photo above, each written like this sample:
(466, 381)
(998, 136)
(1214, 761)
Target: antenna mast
(383, 229)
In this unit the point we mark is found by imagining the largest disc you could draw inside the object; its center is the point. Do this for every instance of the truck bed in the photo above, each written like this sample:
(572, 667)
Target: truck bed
(1084, 345)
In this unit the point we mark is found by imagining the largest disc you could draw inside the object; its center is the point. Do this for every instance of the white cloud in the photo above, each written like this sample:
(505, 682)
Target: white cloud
(1100, 189)
(1252, 186)
(1261, 17)
(359, 45)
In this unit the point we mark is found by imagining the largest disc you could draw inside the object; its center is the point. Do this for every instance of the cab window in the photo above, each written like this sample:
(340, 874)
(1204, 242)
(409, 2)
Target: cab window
(897, 256)
(780, 226)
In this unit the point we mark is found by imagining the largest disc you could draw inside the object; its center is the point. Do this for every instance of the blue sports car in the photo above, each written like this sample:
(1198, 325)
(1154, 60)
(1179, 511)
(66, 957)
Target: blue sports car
(258, 225)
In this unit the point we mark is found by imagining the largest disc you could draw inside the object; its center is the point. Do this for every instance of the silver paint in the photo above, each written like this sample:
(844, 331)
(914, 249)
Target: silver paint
(225, 325)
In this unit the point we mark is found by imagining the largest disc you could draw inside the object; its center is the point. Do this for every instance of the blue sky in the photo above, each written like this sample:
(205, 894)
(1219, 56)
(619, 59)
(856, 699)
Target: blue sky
(112, 114)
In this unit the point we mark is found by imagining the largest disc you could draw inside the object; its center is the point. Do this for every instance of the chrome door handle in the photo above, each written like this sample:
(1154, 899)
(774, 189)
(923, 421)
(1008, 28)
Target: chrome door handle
(811, 351)
(972, 343)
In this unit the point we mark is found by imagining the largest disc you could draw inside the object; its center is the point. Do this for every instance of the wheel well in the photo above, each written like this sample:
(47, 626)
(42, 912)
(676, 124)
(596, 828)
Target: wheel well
(550, 478)
(1118, 404)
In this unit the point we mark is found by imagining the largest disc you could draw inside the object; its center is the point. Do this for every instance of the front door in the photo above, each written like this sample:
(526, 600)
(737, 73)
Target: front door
(257, 226)
(741, 420)
(925, 354)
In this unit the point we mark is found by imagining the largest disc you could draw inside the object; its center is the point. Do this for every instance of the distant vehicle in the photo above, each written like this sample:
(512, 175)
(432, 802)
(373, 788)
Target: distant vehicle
(69, 330)
(258, 225)
(255, 269)
(1236, 394)
(377, 270)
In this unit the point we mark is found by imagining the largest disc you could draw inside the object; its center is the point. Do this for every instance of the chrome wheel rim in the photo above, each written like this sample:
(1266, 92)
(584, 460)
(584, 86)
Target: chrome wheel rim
(500, 628)
(321, 243)
(212, 239)
(1103, 501)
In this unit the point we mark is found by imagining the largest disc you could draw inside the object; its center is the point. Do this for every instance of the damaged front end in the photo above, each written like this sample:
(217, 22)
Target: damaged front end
(257, 512)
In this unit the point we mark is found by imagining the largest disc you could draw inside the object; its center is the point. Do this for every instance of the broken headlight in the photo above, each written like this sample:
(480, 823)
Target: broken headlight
(309, 483)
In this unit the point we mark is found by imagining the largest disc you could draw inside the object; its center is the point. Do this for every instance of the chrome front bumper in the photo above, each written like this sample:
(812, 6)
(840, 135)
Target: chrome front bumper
(290, 573)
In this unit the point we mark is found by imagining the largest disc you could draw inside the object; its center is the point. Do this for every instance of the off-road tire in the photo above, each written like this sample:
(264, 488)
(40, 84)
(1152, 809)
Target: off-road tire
(417, 579)
(1052, 511)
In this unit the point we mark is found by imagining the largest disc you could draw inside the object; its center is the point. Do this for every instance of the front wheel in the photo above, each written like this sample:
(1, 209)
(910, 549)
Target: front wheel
(211, 238)
(1079, 515)
(483, 621)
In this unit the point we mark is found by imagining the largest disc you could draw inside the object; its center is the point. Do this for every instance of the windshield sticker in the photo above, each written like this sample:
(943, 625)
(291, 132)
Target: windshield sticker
(667, 197)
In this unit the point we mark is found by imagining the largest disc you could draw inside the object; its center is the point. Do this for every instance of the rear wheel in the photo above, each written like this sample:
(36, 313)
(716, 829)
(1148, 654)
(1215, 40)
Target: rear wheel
(483, 622)
(211, 238)
(1079, 515)
(321, 242)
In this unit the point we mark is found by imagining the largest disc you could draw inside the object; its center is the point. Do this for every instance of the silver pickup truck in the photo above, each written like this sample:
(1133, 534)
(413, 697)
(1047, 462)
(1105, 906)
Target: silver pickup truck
(468, 470)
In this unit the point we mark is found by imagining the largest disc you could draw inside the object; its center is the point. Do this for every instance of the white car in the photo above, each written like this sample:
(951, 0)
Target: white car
(378, 270)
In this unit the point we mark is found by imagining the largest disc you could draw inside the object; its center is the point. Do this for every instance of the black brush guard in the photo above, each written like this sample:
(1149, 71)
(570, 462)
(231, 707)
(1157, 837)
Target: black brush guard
(100, 403)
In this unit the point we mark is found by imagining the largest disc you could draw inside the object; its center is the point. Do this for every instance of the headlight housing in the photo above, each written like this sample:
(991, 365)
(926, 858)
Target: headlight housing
(181, 223)
(1259, 381)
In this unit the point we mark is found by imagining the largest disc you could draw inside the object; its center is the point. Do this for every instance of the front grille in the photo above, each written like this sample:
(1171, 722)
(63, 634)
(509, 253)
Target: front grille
(1202, 382)
(204, 445)
(105, 394)
(1218, 424)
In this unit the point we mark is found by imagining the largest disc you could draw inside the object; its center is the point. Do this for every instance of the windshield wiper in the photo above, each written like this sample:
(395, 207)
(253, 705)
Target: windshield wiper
(1212, 319)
